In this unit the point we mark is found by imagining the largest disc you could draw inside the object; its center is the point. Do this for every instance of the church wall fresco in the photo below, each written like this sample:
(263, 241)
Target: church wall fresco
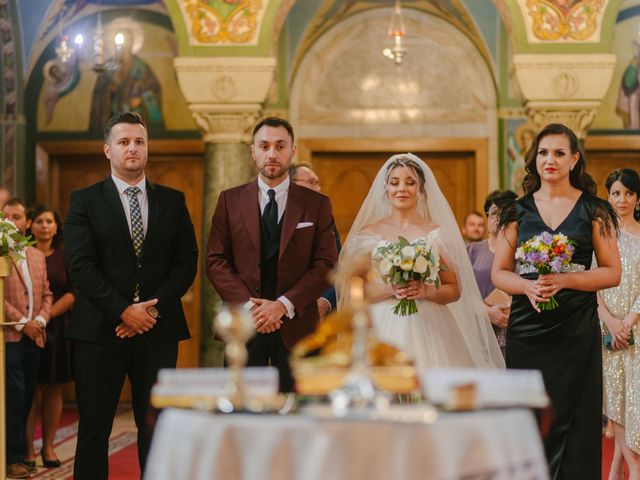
(620, 110)
(74, 98)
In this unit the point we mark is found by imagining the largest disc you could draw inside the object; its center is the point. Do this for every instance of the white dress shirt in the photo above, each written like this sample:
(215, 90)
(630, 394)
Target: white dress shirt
(282, 193)
(121, 185)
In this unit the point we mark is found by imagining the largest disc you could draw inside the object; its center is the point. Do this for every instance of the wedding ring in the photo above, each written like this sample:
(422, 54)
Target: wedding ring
(153, 312)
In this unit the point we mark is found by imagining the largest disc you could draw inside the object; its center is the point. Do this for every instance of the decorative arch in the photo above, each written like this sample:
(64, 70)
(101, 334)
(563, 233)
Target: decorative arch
(344, 83)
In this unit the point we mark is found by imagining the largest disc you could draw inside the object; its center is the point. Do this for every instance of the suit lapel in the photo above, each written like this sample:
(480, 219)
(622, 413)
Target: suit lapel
(153, 202)
(111, 192)
(292, 214)
(18, 268)
(251, 213)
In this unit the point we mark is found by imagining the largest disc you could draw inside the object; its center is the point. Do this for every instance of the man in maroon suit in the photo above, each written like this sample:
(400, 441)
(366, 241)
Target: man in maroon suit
(272, 244)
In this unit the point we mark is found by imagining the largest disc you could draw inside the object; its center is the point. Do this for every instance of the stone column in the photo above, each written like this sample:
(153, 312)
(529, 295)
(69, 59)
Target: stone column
(564, 88)
(225, 96)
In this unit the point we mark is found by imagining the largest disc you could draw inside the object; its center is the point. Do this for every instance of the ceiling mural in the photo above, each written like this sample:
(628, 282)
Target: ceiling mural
(563, 20)
(223, 22)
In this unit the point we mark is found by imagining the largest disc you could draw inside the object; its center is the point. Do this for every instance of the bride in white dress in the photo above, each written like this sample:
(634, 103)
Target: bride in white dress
(451, 327)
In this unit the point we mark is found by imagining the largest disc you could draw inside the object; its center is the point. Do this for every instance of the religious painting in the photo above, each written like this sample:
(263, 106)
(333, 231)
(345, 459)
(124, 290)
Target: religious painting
(563, 20)
(620, 109)
(520, 135)
(75, 97)
(223, 22)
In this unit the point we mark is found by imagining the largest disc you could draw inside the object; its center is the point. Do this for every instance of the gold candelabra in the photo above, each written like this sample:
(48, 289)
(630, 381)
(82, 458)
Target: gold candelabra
(5, 271)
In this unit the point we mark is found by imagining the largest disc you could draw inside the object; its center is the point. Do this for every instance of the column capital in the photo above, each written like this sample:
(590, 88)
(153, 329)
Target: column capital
(566, 88)
(225, 94)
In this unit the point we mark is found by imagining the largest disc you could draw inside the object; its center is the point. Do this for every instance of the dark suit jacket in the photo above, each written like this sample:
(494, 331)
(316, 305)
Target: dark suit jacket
(104, 268)
(307, 254)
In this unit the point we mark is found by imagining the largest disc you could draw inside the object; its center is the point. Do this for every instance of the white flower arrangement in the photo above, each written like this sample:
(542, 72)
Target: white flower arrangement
(12, 242)
(403, 261)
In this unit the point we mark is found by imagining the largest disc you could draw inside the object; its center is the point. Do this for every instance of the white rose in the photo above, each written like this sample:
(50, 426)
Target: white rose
(519, 254)
(408, 252)
(396, 260)
(385, 266)
(382, 244)
(420, 265)
(406, 264)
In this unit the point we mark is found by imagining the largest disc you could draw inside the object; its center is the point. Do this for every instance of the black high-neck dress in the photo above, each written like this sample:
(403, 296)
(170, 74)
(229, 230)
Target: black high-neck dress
(564, 344)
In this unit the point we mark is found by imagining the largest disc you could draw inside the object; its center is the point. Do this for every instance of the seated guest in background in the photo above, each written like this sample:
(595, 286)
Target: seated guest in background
(27, 300)
(481, 254)
(55, 362)
(302, 174)
(473, 227)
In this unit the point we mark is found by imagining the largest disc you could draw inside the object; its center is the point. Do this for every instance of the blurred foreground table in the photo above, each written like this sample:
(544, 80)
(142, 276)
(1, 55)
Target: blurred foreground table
(489, 444)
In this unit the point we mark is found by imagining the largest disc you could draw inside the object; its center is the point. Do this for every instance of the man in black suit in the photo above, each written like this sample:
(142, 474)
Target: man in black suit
(132, 254)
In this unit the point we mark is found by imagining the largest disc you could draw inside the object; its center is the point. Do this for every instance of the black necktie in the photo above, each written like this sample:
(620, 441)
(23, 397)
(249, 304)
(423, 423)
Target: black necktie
(270, 214)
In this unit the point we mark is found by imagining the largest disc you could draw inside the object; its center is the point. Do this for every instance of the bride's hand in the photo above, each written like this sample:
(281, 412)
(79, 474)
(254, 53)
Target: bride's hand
(416, 290)
(400, 291)
(533, 292)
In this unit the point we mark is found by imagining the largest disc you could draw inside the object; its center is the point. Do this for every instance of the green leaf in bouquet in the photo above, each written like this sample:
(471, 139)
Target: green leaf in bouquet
(437, 282)
(402, 241)
(427, 273)
(397, 276)
(405, 276)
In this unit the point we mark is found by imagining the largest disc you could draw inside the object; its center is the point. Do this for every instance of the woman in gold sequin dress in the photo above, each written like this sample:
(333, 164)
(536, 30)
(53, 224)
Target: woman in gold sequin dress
(619, 310)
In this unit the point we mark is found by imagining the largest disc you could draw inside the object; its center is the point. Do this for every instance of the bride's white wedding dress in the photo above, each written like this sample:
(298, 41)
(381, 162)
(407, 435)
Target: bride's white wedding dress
(431, 337)
(458, 334)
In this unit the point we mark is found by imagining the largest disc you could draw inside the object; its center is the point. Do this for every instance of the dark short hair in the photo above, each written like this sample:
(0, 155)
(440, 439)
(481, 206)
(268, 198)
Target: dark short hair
(122, 117)
(500, 198)
(474, 212)
(293, 168)
(38, 210)
(273, 122)
(579, 178)
(627, 177)
(17, 201)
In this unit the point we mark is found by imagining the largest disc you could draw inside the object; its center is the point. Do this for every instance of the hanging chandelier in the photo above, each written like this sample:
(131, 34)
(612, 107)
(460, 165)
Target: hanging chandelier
(397, 32)
(95, 59)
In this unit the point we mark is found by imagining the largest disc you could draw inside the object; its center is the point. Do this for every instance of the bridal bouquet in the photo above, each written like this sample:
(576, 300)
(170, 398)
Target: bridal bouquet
(12, 242)
(547, 253)
(403, 261)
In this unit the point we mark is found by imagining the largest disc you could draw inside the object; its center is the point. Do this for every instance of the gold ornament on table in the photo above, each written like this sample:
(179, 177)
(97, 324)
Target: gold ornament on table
(235, 326)
(352, 365)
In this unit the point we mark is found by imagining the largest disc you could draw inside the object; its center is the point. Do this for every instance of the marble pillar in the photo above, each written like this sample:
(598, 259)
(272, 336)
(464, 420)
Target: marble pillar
(564, 88)
(225, 96)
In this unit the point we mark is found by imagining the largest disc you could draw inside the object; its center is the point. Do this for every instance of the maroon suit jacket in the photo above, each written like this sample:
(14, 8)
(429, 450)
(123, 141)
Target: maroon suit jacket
(307, 253)
(16, 296)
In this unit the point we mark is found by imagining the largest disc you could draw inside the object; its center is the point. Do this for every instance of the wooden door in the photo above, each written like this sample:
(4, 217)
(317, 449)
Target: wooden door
(177, 164)
(606, 153)
(347, 178)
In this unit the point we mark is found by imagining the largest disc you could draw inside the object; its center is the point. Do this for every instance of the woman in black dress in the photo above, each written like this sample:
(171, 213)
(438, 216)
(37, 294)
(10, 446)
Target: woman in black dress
(55, 364)
(564, 343)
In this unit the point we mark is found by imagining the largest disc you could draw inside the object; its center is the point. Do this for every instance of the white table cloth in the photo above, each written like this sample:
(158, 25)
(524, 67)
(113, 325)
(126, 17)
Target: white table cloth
(491, 444)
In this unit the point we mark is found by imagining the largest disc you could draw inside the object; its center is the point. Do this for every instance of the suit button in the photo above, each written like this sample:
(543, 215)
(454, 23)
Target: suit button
(257, 288)
(139, 265)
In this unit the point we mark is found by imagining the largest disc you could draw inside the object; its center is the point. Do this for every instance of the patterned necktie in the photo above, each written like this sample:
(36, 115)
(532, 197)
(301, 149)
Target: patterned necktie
(270, 214)
(137, 232)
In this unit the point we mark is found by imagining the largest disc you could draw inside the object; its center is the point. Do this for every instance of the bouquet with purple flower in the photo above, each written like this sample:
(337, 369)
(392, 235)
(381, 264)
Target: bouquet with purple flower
(547, 253)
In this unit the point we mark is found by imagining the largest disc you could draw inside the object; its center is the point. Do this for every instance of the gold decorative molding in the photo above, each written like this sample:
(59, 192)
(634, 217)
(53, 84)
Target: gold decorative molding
(563, 20)
(563, 88)
(224, 127)
(217, 22)
(578, 117)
